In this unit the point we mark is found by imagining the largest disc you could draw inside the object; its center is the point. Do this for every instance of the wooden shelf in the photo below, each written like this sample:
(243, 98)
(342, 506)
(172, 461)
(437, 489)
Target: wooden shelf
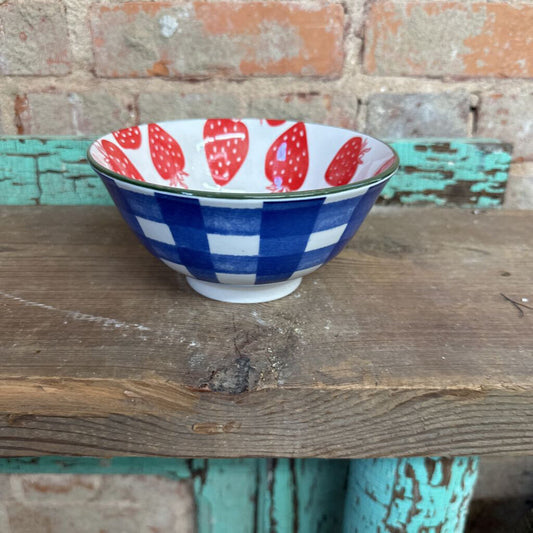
(404, 345)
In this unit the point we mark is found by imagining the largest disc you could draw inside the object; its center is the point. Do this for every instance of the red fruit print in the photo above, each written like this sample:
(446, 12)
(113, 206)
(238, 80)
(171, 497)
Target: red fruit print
(128, 137)
(226, 144)
(117, 161)
(287, 160)
(343, 166)
(167, 156)
(271, 122)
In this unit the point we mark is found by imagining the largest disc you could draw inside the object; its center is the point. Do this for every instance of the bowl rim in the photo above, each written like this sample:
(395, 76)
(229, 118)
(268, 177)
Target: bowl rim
(325, 191)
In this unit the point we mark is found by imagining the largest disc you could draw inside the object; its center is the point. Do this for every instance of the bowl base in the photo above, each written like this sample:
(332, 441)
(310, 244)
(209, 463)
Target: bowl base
(244, 294)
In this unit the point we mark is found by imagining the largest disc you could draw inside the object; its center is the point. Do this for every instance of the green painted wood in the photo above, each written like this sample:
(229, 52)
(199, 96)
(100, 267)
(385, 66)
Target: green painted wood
(48, 171)
(301, 495)
(320, 494)
(276, 512)
(409, 495)
(157, 466)
(460, 172)
(225, 493)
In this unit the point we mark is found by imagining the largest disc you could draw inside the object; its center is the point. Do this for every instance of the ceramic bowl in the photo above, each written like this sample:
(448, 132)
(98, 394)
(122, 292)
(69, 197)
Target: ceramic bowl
(243, 208)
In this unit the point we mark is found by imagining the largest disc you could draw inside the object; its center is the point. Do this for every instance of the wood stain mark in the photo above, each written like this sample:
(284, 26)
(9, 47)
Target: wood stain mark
(213, 428)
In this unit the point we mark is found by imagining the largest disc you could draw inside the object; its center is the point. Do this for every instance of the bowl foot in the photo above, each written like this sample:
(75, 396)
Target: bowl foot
(244, 294)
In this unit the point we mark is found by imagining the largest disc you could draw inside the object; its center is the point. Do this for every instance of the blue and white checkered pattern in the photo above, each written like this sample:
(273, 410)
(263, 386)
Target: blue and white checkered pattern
(264, 242)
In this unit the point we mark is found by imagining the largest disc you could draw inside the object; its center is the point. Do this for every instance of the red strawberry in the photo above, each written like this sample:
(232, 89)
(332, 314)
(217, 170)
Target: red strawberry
(117, 160)
(226, 146)
(167, 156)
(128, 137)
(287, 160)
(343, 166)
(271, 122)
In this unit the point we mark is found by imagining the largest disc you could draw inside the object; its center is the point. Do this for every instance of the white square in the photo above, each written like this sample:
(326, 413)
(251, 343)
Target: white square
(305, 271)
(221, 202)
(233, 244)
(236, 279)
(135, 188)
(341, 196)
(156, 230)
(177, 267)
(327, 237)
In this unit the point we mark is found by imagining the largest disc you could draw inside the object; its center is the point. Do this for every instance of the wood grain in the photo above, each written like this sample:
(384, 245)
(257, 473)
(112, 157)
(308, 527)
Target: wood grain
(402, 346)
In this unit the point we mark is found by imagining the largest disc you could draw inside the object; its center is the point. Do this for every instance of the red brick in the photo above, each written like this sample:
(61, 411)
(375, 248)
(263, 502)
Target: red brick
(449, 39)
(67, 503)
(204, 39)
(59, 113)
(334, 109)
(157, 106)
(50, 487)
(34, 39)
(508, 118)
(396, 115)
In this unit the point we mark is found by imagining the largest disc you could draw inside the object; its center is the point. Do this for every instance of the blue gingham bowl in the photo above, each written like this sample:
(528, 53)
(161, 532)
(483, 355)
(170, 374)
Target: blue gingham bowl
(243, 208)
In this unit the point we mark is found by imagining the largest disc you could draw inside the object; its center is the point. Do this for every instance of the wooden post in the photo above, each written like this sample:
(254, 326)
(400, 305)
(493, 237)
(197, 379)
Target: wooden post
(418, 495)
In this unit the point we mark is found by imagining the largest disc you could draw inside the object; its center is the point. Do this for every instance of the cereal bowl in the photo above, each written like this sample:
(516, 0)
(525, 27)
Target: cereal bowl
(243, 208)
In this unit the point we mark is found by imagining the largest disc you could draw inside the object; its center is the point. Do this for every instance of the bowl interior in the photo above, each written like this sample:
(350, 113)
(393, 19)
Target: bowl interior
(243, 156)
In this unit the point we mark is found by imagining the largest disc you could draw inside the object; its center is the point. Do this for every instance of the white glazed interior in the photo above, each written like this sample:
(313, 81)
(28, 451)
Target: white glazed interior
(323, 143)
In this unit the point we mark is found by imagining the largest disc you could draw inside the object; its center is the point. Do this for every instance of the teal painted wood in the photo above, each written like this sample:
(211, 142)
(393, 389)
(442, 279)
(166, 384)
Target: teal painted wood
(276, 512)
(410, 495)
(320, 492)
(157, 466)
(459, 172)
(301, 495)
(462, 172)
(225, 493)
(50, 171)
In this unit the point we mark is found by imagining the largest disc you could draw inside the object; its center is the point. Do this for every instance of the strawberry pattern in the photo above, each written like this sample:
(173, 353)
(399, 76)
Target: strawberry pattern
(345, 163)
(167, 156)
(128, 137)
(117, 161)
(287, 160)
(226, 144)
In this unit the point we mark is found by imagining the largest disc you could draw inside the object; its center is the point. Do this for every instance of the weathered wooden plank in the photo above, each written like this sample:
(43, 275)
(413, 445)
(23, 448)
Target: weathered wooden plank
(403, 345)
(417, 494)
(464, 172)
(449, 172)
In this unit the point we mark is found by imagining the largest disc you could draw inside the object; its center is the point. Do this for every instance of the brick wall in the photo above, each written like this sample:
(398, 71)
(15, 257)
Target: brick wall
(68, 503)
(391, 68)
